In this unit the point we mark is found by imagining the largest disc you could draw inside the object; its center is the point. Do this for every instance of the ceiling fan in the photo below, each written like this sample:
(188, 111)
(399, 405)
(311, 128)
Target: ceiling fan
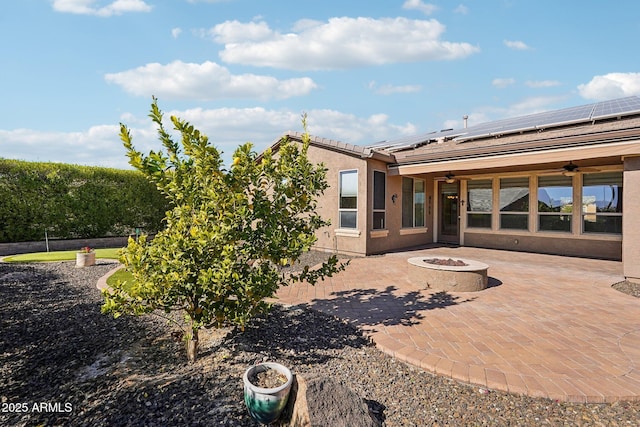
(571, 169)
(450, 178)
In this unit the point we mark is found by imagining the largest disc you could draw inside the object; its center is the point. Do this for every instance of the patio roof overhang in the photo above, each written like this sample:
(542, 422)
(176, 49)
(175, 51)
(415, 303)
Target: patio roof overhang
(605, 150)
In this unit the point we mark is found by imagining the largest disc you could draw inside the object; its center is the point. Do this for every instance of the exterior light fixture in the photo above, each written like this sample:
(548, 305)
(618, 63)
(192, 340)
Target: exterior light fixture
(449, 178)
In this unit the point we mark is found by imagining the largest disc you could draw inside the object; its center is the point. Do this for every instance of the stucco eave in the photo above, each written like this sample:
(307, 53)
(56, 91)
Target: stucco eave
(625, 148)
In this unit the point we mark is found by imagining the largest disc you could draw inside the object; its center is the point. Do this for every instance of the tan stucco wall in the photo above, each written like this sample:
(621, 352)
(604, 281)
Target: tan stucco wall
(397, 238)
(366, 241)
(329, 203)
(631, 219)
(605, 249)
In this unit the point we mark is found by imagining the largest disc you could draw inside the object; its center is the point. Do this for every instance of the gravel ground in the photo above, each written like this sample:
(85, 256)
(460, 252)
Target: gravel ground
(64, 363)
(629, 288)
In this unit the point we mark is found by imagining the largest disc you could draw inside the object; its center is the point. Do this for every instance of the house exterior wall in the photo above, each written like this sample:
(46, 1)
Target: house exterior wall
(364, 240)
(573, 243)
(606, 249)
(631, 219)
(394, 236)
(332, 238)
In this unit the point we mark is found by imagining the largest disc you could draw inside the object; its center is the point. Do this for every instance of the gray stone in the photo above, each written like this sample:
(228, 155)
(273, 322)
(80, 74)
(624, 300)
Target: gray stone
(318, 401)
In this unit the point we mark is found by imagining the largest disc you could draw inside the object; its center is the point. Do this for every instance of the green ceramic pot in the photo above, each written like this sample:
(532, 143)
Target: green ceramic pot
(266, 404)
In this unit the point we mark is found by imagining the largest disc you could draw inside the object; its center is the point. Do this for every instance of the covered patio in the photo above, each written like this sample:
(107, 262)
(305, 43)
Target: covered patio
(547, 326)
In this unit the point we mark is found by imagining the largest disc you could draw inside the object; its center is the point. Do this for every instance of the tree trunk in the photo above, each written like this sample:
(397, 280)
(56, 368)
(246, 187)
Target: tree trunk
(192, 346)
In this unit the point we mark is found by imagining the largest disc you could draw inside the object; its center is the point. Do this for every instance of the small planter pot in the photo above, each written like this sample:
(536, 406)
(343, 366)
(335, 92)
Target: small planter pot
(84, 259)
(266, 404)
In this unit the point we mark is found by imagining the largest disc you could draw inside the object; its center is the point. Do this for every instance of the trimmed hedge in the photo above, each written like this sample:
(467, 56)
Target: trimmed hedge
(70, 201)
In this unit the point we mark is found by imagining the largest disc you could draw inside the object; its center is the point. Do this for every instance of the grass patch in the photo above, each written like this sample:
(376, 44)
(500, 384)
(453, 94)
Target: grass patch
(110, 253)
(121, 275)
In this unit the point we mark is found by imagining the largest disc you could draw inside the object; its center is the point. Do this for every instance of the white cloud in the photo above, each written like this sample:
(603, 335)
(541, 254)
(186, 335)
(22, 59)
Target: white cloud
(532, 105)
(461, 9)
(232, 32)
(227, 128)
(175, 32)
(337, 44)
(392, 89)
(206, 81)
(516, 45)
(306, 24)
(425, 8)
(502, 83)
(356, 130)
(542, 83)
(611, 86)
(87, 7)
(97, 146)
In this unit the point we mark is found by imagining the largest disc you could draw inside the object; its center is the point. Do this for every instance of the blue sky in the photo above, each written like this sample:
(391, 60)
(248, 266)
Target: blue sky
(245, 70)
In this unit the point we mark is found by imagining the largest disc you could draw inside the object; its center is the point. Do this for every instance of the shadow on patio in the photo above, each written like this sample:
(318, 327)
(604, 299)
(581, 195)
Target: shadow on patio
(369, 307)
(547, 326)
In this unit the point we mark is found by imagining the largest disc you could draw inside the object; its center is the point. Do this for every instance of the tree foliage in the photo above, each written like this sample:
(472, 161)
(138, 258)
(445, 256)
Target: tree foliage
(228, 231)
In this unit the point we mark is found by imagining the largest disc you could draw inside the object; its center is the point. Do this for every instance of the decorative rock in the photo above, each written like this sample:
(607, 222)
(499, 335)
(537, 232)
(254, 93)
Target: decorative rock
(318, 401)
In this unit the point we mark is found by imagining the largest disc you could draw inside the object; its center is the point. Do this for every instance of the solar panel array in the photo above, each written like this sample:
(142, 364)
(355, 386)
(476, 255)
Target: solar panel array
(581, 114)
(616, 107)
(414, 140)
(530, 122)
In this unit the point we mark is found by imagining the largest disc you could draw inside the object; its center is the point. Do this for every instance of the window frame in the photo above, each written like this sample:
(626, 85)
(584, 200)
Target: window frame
(342, 210)
(522, 213)
(488, 213)
(413, 203)
(377, 210)
(540, 215)
(597, 214)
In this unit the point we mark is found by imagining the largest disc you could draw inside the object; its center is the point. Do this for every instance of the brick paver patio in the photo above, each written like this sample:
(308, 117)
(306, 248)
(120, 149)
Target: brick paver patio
(548, 326)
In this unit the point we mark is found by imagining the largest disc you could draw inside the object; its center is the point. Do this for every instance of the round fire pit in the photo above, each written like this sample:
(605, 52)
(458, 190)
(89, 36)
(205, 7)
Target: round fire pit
(448, 273)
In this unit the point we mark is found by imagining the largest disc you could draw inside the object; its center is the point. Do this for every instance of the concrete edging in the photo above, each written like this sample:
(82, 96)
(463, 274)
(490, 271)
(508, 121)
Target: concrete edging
(102, 282)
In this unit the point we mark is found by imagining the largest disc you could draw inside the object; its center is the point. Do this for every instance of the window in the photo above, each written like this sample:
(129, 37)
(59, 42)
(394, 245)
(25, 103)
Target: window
(413, 201)
(379, 196)
(348, 199)
(555, 203)
(602, 203)
(479, 203)
(514, 203)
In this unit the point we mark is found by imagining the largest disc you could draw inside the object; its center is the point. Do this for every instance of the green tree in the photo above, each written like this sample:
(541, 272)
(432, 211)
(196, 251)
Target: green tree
(227, 233)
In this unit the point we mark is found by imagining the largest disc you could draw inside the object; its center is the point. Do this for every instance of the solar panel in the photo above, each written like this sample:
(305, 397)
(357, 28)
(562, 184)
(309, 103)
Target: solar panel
(413, 140)
(529, 122)
(408, 140)
(616, 107)
(539, 121)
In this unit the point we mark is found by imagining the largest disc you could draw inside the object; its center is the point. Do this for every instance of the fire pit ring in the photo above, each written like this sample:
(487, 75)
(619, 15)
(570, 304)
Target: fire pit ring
(448, 273)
